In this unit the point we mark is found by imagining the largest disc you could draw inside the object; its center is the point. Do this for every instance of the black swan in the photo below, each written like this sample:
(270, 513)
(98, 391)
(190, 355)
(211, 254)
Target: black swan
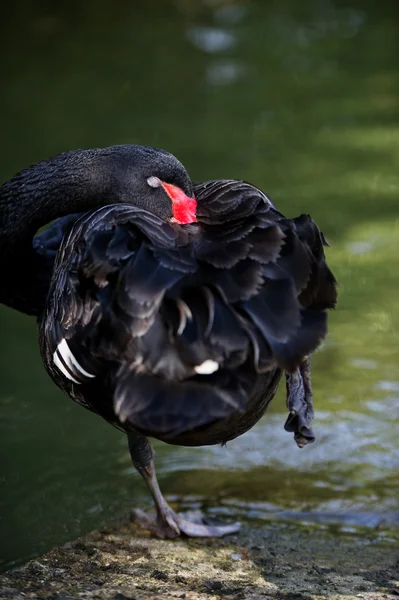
(171, 309)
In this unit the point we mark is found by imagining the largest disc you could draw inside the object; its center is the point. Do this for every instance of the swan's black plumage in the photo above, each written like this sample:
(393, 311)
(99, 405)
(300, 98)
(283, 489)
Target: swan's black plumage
(139, 306)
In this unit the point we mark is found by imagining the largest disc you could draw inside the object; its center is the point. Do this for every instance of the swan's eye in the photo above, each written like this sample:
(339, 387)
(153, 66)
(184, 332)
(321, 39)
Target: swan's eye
(154, 182)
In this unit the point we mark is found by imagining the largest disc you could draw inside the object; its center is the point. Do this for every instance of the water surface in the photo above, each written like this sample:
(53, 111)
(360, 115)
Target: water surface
(302, 100)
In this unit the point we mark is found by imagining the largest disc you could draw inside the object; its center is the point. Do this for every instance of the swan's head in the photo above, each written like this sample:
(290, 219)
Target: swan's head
(183, 207)
(156, 181)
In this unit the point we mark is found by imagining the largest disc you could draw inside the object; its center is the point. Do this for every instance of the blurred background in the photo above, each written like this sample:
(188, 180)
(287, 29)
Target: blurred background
(299, 98)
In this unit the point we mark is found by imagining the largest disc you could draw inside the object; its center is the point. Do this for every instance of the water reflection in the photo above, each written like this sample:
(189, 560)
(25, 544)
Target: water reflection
(299, 98)
(211, 39)
(224, 72)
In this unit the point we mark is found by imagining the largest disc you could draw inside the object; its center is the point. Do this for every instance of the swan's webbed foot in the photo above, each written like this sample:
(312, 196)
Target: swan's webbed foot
(166, 523)
(300, 404)
(170, 525)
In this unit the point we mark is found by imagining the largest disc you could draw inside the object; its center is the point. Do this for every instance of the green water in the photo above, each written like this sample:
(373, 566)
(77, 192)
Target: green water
(301, 98)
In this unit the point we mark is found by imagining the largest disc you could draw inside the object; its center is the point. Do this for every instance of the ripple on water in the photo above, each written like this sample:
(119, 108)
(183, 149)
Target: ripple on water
(343, 437)
(347, 478)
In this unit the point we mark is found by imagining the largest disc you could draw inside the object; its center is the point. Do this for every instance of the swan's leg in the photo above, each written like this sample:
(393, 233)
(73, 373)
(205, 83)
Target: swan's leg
(166, 523)
(300, 404)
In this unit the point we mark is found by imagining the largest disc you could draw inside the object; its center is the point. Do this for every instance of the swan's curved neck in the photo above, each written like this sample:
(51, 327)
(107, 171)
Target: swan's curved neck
(73, 182)
(68, 183)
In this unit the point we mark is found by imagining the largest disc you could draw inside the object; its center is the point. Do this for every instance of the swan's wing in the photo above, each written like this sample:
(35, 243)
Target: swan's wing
(276, 274)
(185, 317)
(118, 309)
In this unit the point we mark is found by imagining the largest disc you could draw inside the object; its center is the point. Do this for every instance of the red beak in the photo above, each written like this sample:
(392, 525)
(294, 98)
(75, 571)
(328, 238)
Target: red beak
(184, 207)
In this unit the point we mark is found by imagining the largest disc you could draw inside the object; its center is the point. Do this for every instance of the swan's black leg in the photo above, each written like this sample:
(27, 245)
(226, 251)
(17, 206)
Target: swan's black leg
(300, 404)
(166, 523)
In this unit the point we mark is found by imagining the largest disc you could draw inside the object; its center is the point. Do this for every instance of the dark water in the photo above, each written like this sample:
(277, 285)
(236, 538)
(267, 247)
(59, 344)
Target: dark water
(302, 100)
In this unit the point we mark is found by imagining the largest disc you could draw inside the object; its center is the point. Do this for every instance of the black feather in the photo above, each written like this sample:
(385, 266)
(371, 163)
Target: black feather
(169, 408)
(145, 303)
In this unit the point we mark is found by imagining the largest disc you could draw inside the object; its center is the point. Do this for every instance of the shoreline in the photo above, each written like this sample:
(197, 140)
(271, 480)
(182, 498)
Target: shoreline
(279, 562)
